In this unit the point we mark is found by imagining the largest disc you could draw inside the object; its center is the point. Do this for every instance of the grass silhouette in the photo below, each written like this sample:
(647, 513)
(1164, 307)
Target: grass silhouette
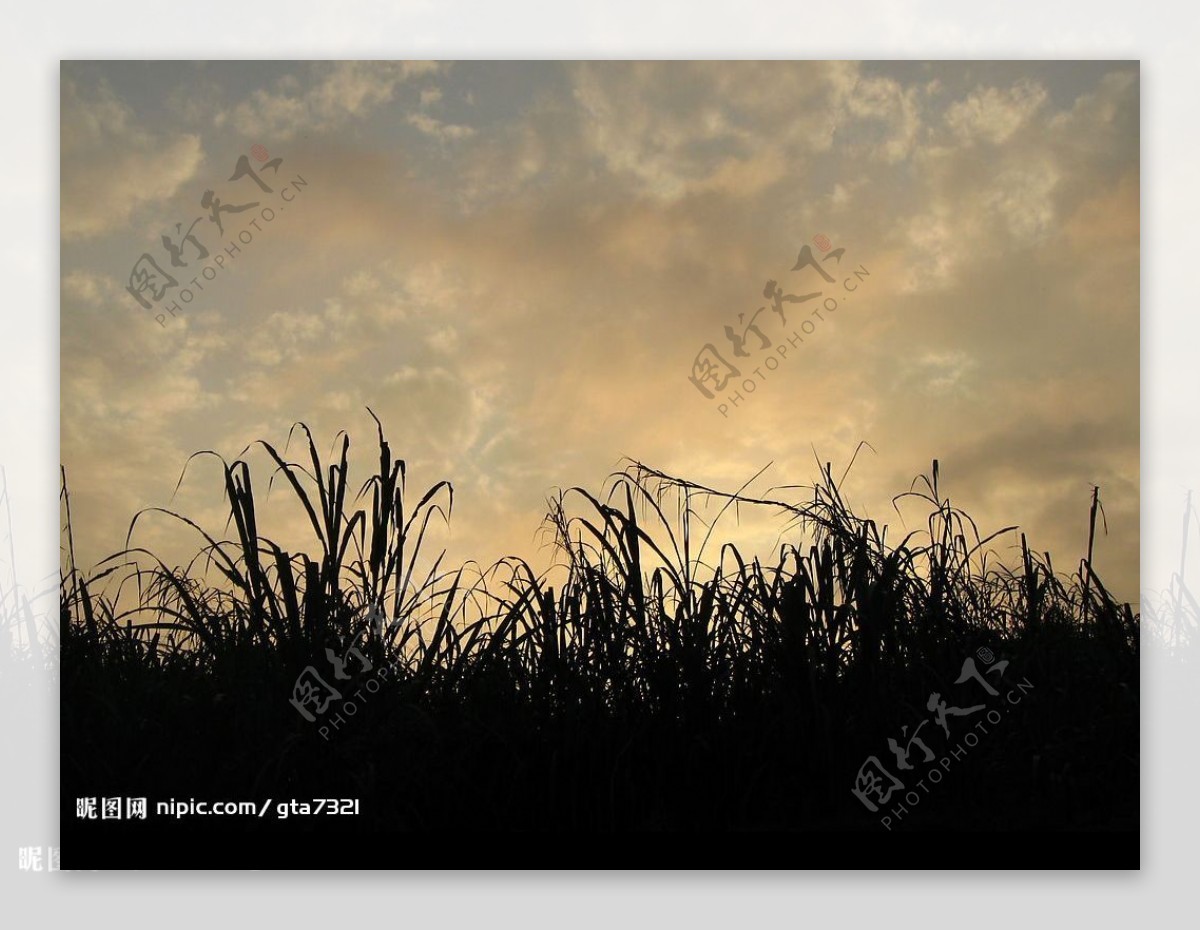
(652, 679)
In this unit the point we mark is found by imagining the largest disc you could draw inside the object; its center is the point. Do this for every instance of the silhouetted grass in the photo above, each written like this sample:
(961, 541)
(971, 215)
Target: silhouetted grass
(653, 678)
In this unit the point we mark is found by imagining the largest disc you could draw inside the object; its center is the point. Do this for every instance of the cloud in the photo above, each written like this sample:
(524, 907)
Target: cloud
(334, 93)
(88, 288)
(942, 372)
(433, 127)
(1023, 196)
(522, 308)
(112, 164)
(877, 116)
(1040, 165)
(668, 126)
(993, 114)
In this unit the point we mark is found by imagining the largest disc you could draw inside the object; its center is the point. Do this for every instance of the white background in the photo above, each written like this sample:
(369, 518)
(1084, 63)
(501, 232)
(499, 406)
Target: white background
(1164, 36)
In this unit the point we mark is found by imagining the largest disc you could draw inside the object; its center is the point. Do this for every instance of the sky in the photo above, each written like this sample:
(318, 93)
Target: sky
(523, 269)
